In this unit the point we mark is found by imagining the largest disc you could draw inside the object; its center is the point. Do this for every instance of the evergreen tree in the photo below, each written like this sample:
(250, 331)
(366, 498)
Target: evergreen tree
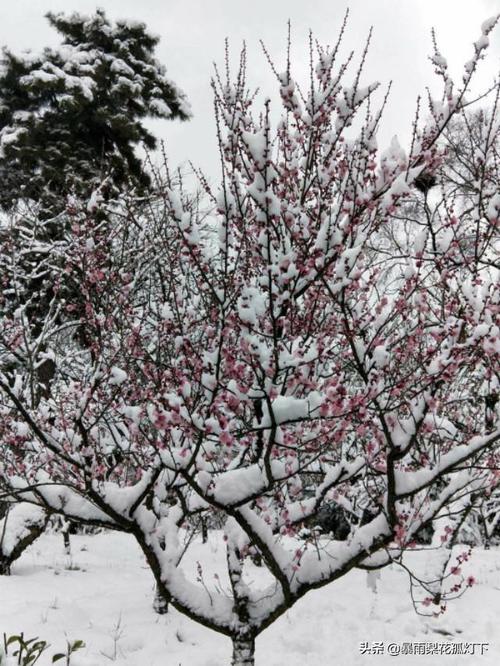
(72, 116)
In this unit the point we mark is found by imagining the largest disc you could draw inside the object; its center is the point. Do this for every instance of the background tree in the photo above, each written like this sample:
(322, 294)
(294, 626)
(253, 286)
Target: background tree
(257, 366)
(70, 120)
(72, 117)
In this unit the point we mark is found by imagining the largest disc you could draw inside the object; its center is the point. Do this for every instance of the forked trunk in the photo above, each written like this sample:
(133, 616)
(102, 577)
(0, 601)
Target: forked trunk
(243, 651)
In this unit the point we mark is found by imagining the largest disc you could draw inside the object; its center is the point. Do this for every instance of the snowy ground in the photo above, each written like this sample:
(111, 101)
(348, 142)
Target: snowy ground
(105, 599)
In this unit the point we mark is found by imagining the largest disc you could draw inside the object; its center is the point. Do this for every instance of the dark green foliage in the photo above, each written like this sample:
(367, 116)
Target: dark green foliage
(29, 651)
(72, 116)
(70, 648)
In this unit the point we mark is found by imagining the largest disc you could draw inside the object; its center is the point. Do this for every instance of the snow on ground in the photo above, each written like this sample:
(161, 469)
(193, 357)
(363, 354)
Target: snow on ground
(104, 596)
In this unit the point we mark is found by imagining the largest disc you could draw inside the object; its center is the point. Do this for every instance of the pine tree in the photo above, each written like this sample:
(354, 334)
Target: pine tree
(73, 115)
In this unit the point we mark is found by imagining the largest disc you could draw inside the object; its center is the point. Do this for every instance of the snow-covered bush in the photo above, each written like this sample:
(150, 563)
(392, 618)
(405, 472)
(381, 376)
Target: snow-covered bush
(274, 358)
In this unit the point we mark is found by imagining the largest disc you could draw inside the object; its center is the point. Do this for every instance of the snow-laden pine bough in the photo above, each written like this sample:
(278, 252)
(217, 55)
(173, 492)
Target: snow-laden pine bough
(328, 334)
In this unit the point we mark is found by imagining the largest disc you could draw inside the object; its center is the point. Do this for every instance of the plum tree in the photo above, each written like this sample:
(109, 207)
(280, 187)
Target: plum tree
(271, 359)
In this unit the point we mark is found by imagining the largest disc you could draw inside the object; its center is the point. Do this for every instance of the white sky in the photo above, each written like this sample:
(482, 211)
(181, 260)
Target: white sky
(193, 32)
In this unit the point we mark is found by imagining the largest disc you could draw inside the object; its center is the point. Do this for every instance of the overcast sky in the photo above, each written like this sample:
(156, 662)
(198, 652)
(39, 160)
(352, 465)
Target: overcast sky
(193, 31)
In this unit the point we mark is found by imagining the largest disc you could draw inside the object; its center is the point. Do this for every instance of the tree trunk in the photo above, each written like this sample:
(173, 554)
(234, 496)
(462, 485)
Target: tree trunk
(204, 530)
(67, 543)
(4, 567)
(66, 526)
(243, 651)
(160, 604)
